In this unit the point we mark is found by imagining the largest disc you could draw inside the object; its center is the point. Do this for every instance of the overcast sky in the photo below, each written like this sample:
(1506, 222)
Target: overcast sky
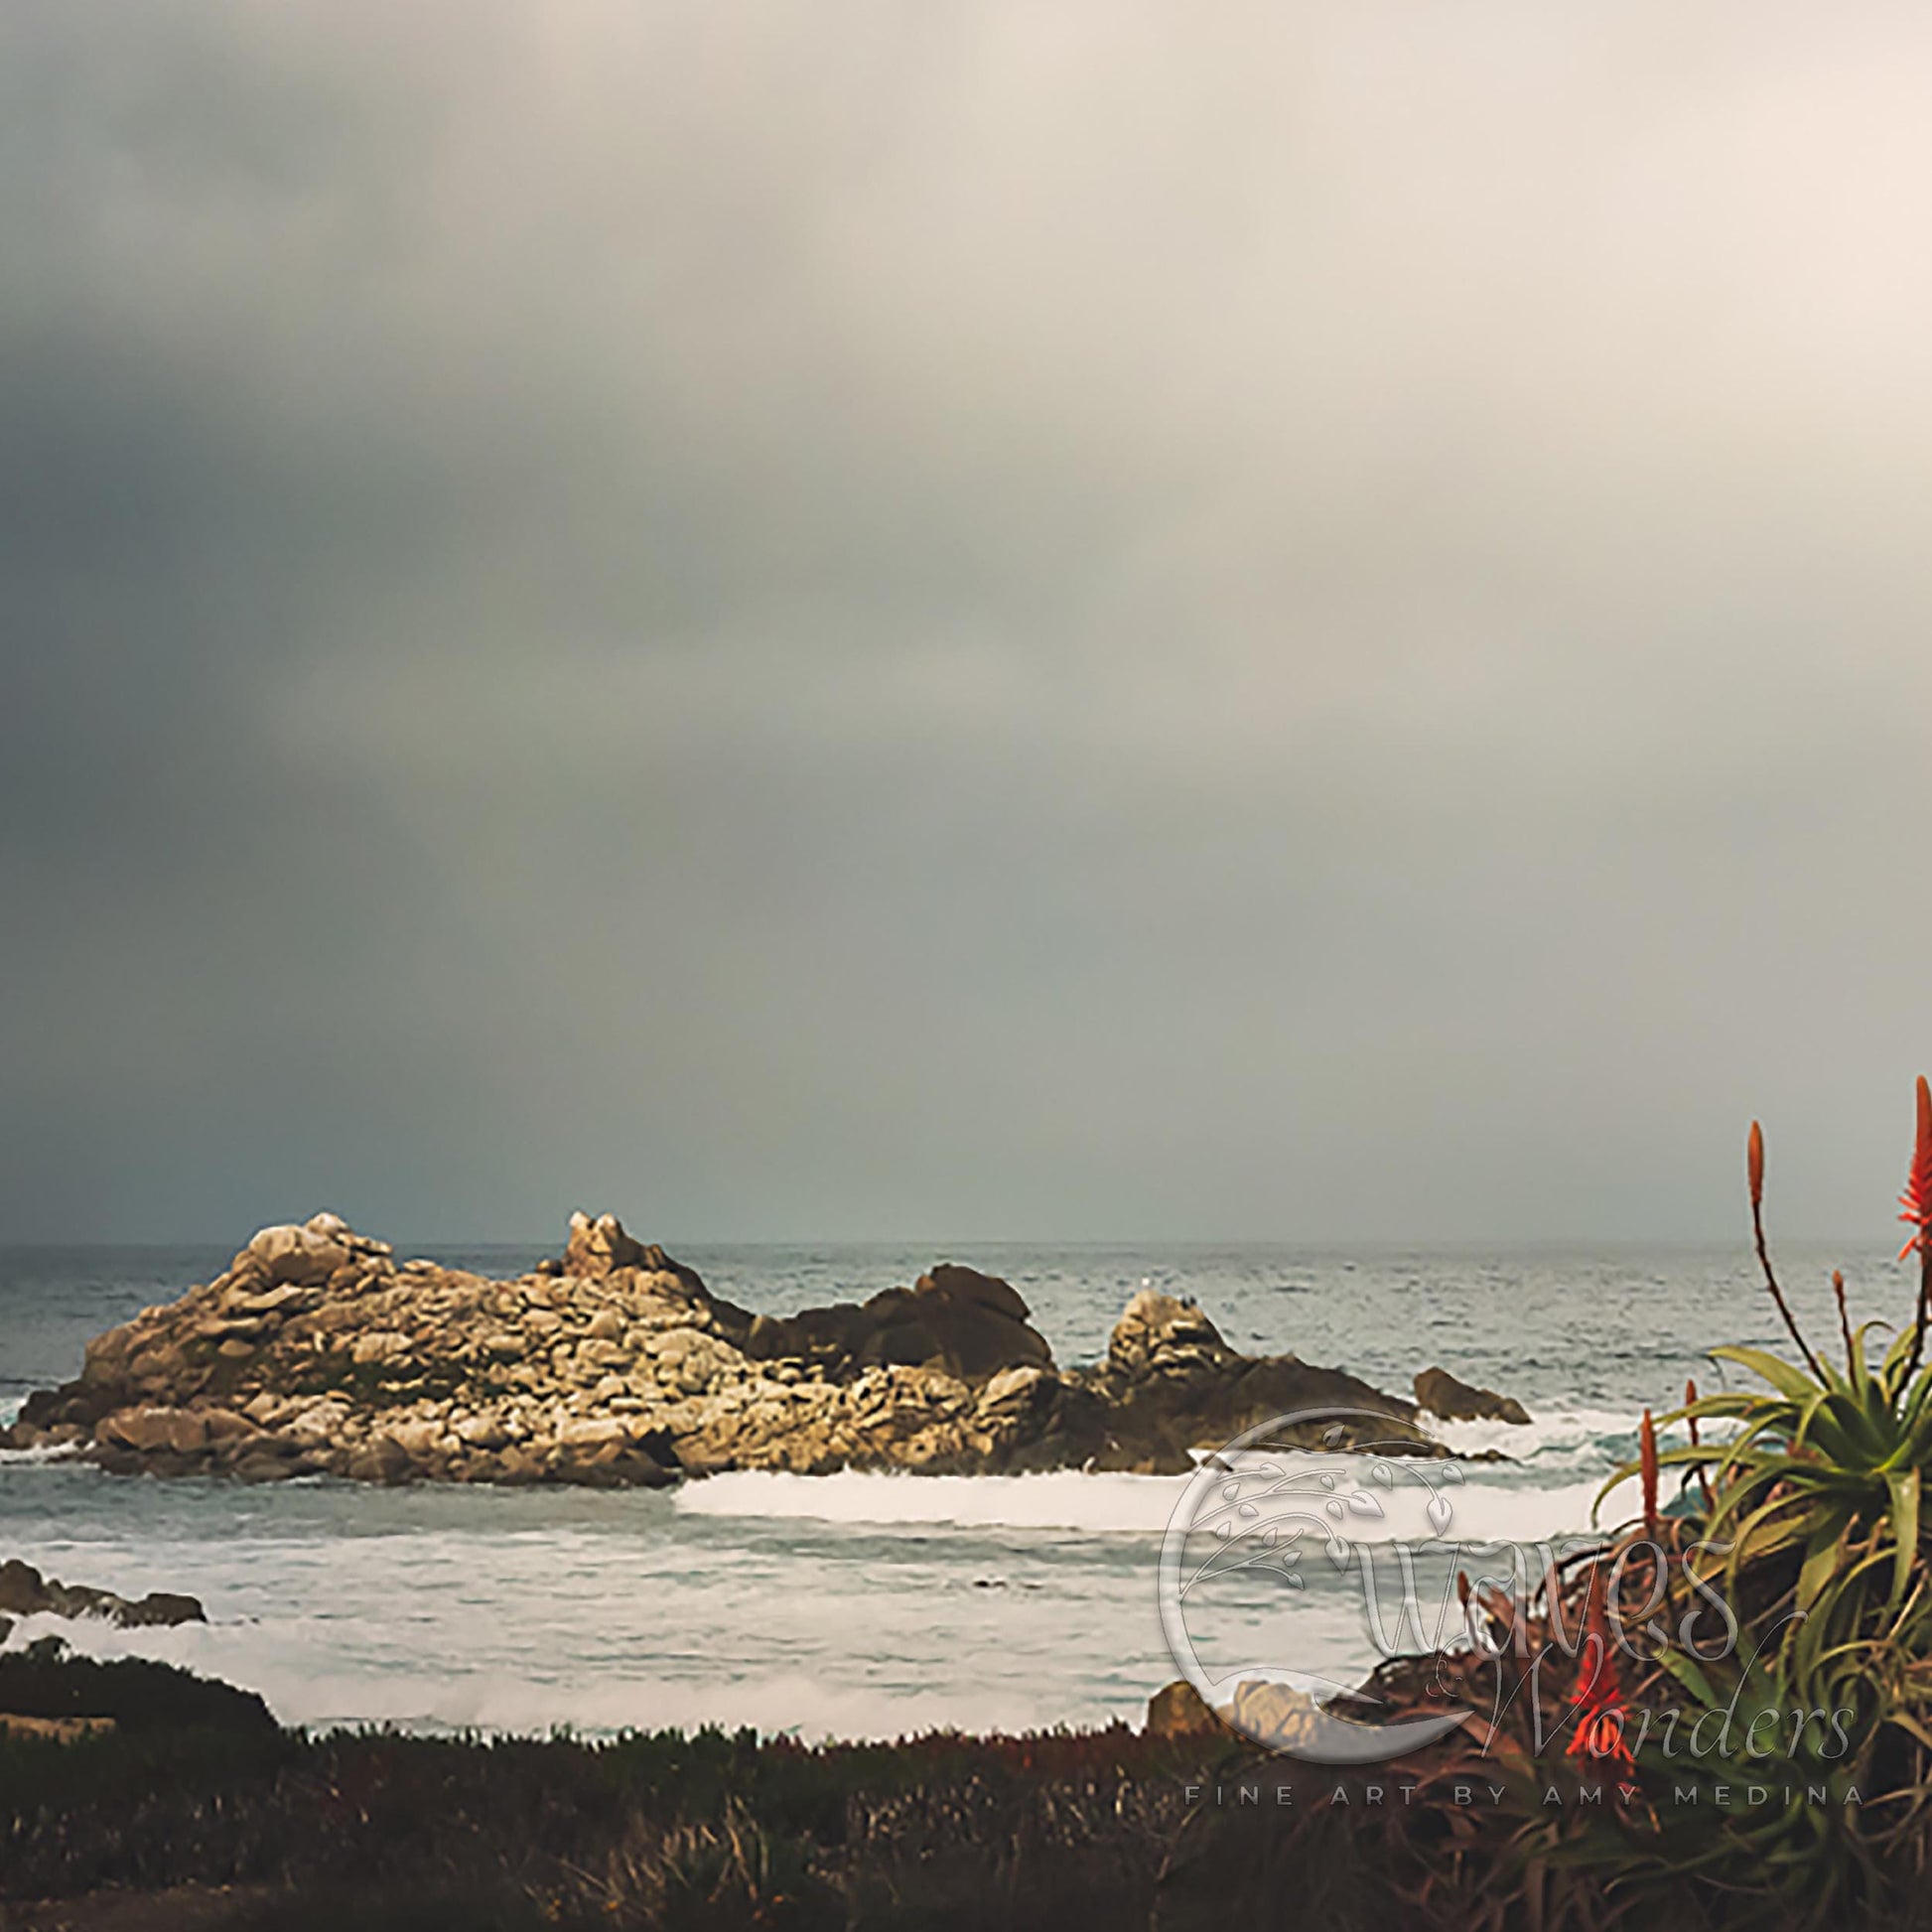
(1002, 620)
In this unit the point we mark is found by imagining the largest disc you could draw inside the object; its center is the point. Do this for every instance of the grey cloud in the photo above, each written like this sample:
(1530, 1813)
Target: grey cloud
(960, 622)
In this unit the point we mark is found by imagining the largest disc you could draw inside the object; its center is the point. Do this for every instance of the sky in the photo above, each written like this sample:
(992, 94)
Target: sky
(995, 621)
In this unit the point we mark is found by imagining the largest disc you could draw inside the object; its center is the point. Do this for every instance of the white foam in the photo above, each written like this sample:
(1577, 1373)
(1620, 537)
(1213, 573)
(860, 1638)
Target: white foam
(45, 1452)
(1562, 1432)
(1485, 1505)
(1052, 1499)
(321, 1695)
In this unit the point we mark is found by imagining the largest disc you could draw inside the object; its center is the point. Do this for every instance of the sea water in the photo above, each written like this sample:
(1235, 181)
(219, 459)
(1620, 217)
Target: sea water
(858, 1605)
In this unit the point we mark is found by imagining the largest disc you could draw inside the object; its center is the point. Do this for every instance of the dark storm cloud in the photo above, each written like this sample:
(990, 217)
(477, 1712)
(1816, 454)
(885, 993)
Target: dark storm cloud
(960, 622)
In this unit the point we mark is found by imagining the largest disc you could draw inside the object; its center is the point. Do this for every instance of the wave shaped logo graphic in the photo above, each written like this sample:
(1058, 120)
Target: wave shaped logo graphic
(1255, 1512)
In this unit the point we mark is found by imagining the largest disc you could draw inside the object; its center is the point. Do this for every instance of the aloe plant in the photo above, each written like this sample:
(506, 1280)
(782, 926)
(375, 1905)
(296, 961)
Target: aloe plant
(1814, 1505)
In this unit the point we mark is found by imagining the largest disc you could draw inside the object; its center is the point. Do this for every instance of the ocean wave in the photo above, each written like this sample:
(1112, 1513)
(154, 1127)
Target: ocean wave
(1056, 1499)
(1485, 1504)
(1607, 1435)
(47, 1453)
(334, 1694)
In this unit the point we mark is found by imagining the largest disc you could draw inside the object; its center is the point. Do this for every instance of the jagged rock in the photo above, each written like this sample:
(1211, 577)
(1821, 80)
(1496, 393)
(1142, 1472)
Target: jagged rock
(596, 1247)
(1159, 1335)
(23, 1591)
(1438, 1391)
(315, 1352)
(969, 1324)
(1171, 1385)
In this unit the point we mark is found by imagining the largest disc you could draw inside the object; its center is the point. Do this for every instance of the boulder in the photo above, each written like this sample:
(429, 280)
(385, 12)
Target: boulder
(148, 1431)
(597, 1249)
(23, 1591)
(1158, 1335)
(1180, 1711)
(968, 1324)
(299, 1256)
(1170, 1387)
(1438, 1391)
(1274, 1716)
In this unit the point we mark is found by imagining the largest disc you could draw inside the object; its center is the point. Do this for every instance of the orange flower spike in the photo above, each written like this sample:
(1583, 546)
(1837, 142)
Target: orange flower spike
(1755, 1163)
(1690, 1400)
(1597, 1696)
(1915, 1203)
(1647, 1453)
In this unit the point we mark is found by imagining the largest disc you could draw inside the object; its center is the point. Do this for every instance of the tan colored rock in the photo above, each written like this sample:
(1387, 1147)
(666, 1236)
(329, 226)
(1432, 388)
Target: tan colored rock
(1158, 1335)
(1274, 1716)
(147, 1431)
(592, 1430)
(301, 1255)
(1180, 1711)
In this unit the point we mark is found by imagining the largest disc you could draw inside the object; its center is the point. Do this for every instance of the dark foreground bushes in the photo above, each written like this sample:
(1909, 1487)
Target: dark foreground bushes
(380, 1830)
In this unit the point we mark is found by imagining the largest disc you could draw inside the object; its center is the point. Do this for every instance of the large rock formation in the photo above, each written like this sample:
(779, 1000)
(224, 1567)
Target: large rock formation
(317, 1352)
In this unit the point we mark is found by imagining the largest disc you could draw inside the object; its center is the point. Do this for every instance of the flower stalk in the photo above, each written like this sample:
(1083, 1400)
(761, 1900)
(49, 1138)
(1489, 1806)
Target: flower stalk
(1754, 1161)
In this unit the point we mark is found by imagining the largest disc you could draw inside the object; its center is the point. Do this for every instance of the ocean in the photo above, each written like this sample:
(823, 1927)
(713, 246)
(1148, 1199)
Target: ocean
(858, 1605)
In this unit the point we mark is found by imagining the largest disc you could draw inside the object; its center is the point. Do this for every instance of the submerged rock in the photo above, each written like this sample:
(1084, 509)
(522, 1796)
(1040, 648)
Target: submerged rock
(1438, 1391)
(318, 1352)
(23, 1591)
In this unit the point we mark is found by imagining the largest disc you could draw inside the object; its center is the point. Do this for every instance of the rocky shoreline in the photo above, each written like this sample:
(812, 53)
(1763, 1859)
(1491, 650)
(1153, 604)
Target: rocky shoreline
(318, 1353)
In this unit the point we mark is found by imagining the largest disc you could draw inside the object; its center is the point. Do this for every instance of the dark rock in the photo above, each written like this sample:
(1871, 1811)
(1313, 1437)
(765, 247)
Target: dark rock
(25, 1592)
(969, 1324)
(1438, 1391)
(386, 1461)
(47, 1681)
(613, 1466)
(1171, 1385)
(165, 1607)
(1180, 1711)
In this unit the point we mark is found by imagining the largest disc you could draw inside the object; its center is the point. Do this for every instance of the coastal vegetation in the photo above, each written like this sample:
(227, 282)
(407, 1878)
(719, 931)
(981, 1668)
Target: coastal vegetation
(1719, 1714)
(199, 1806)
(1715, 1714)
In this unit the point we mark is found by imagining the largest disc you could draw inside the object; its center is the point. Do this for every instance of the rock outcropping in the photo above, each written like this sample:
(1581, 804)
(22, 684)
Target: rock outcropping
(318, 1352)
(23, 1591)
(1443, 1396)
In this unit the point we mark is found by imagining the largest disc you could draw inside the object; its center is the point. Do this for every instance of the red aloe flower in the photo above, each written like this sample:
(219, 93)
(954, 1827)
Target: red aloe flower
(1597, 1696)
(1915, 1203)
